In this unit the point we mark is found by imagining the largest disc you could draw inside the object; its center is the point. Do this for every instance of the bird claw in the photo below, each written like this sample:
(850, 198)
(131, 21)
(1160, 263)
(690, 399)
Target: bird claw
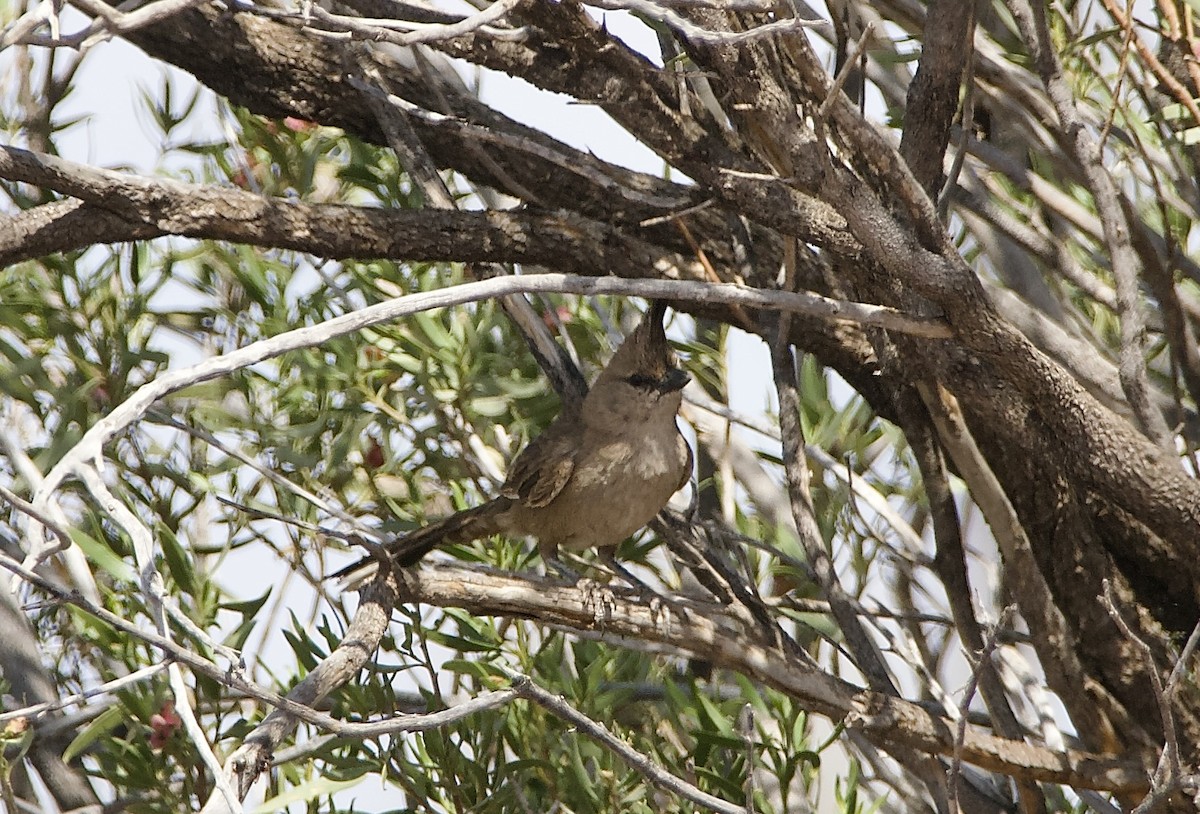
(658, 601)
(598, 598)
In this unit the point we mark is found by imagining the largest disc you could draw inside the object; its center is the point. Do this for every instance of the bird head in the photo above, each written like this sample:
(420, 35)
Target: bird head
(642, 380)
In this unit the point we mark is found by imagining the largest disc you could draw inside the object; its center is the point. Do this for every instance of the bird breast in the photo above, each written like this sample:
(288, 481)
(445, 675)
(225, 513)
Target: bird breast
(617, 488)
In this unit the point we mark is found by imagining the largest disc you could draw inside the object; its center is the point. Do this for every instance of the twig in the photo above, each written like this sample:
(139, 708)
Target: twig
(865, 651)
(429, 32)
(691, 32)
(722, 5)
(37, 710)
(76, 563)
(1032, 594)
(1182, 95)
(526, 688)
(565, 161)
(285, 706)
(160, 606)
(563, 374)
(847, 69)
(862, 488)
(332, 509)
(1168, 774)
(106, 22)
(967, 120)
(25, 507)
(745, 728)
(700, 207)
(954, 773)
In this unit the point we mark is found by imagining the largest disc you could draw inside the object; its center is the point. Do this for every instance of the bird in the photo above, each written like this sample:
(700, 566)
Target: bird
(596, 475)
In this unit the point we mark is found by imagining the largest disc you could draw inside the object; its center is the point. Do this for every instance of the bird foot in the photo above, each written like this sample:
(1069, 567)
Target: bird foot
(659, 602)
(598, 598)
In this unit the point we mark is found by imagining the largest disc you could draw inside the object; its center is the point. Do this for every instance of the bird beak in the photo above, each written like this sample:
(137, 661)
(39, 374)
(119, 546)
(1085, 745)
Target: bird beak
(675, 379)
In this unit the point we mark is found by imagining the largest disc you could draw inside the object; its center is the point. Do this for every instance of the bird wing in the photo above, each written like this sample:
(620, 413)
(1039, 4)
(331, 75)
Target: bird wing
(542, 469)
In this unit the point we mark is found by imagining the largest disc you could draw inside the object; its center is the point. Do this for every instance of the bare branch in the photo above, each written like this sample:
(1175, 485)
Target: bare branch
(108, 21)
(694, 33)
(709, 631)
(428, 32)
(867, 656)
(1029, 587)
(36, 710)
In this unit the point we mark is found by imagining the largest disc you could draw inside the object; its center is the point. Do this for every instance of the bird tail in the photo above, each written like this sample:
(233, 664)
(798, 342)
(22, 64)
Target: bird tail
(406, 551)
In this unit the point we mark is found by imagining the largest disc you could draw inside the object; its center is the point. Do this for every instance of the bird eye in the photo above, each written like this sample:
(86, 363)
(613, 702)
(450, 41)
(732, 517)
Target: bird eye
(642, 380)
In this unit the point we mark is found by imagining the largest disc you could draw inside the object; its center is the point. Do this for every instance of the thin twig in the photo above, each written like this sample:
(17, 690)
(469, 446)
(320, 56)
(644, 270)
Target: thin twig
(851, 65)
(691, 32)
(526, 688)
(982, 661)
(177, 653)
(866, 653)
(160, 605)
(431, 32)
(1031, 21)
(37, 710)
(106, 22)
(1168, 774)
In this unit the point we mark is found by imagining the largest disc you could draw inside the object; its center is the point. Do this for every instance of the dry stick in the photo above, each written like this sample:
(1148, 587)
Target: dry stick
(967, 119)
(691, 32)
(76, 563)
(950, 564)
(160, 605)
(716, 633)
(332, 509)
(1031, 21)
(363, 26)
(485, 135)
(745, 727)
(106, 22)
(357, 637)
(361, 639)
(525, 688)
(848, 68)
(864, 490)
(37, 710)
(426, 33)
(867, 656)
(1032, 594)
(1182, 95)
(1168, 774)
(1115, 90)
(1171, 15)
(984, 658)
(720, 5)
(56, 526)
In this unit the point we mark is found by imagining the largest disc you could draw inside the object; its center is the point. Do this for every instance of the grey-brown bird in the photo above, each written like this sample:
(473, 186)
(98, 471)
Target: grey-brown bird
(594, 477)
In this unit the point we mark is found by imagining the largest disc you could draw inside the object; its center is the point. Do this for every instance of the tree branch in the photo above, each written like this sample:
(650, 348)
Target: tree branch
(709, 632)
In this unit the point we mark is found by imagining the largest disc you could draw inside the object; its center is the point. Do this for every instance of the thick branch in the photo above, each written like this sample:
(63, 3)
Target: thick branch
(708, 632)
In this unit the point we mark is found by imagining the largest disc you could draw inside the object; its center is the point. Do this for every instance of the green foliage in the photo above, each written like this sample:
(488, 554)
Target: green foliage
(397, 424)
